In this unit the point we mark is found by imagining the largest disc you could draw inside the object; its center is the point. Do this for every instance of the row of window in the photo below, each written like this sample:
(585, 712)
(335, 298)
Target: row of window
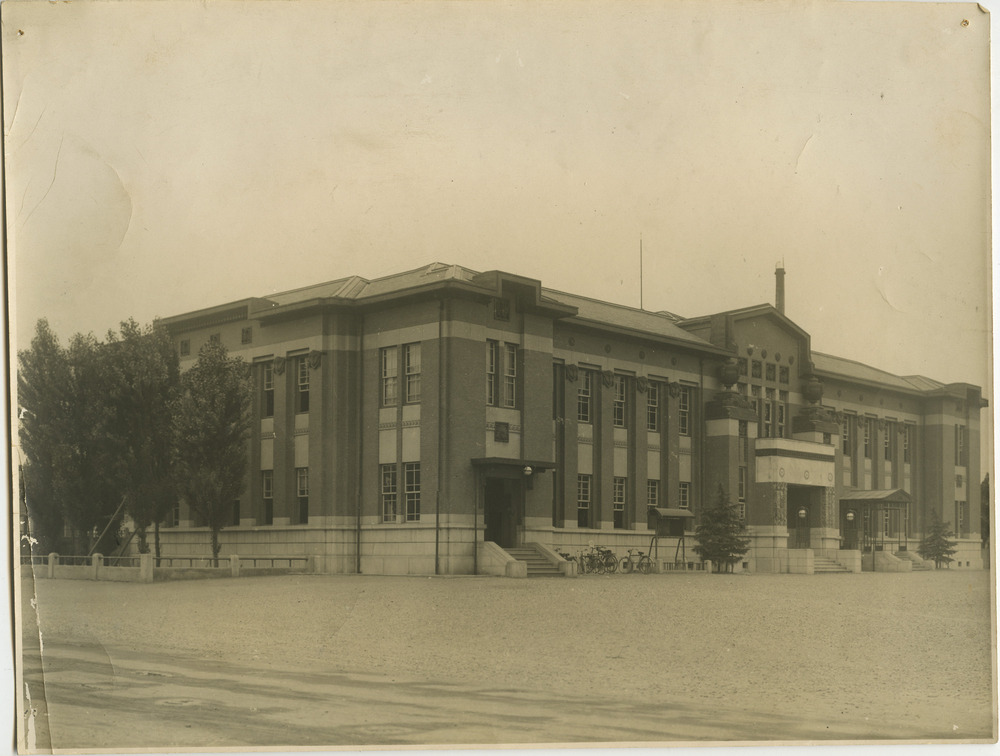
(763, 371)
(619, 495)
(389, 492)
(300, 368)
(389, 368)
(620, 403)
(868, 437)
(301, 493)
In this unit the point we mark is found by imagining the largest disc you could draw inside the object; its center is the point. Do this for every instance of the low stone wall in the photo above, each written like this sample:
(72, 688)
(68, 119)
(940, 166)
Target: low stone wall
(800, 562)
(144, 568)
(495, 561)
(849, 559)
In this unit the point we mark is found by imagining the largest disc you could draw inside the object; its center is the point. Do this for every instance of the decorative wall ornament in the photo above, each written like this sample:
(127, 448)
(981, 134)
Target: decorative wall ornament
(607, 348)
(674, 389)
(750, 350)
(501, 432)
(641, 383)
(763, 354)
(812, 390)
(791, 359)
(642, 354)
(673, 360)
(279, 365)
(729, 373)
(315, 359)
(572, 373)
(777, 356)
(882, 424)
(780, 503)
(572, 341)
(608, 378)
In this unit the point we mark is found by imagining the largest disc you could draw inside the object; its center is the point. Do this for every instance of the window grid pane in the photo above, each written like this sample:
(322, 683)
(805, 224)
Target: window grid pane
(492, 358)
(652, 493)
(510, 376)
(390, 381)
(411, 354)
(583, 501)
(685, 496)
(411, 473)
(388, 493)
(619, 403)
(684, 411)
(653, 407)
(583, 397)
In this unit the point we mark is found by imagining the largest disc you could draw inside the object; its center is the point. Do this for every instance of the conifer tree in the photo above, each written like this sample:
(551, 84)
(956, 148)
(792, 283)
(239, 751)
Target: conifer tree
(721, 534)
(937, 544)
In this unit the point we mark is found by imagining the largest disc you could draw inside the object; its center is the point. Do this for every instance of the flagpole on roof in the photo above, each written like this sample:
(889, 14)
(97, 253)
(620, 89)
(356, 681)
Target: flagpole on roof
(640, 273)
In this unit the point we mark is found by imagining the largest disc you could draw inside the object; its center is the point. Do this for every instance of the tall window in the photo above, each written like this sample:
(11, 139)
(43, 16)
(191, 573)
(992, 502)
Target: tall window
(411, 358)
(907, 443)
(618, 501)
(781, 411)
(741, 364)
(510, 376)
(492, 373)
(845, 436)
(583, 500)
(584, 397)
(756, 369)
(769, 371)
(652, 493)
(388, 492)
(783, 374)
(755, 399)
(684, 411)
(236, 513)
(869, 436)
(302, 493)
(267, 391)
(620, 402)
(768, 424)
(175, 516)
(684, 496)
(653, 407)
(411, 479)
(267, 494)
(246, 337)
(960, 458)
(390, 376)
(961, 519)
(887, 445)
(301, 384)
(185, 347)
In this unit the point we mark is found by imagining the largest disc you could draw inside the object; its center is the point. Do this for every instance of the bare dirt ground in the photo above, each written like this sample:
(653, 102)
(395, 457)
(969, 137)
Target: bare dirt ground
(355, 660)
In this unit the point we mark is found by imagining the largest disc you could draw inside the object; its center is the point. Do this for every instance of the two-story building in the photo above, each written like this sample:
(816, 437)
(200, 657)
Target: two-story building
(403, 424)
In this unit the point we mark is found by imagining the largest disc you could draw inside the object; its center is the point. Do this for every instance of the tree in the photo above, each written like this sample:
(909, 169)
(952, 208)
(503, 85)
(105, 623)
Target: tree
(936, 544)
(145, 381)
(211, 426)
(720, 534)
(43, 391)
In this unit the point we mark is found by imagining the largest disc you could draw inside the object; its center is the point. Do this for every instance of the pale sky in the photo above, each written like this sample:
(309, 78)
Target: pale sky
(167, 156)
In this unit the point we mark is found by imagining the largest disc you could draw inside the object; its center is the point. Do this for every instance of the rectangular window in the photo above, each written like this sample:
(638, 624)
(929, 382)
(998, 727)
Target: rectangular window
(960, 459)
(619, 402)
(741, 363)
(845, 435)
(756, 369)
(584, 396)
(411, 476)
(743, 456)
(869, 436)
(185, 347)
(390, 376)
(684, 496)
(236, 513)
(302, 493)
(781, 414)
(267, 390)
(767, 421)
(301, 384)
(388, 492)
(215, 338)
(583, 501)
(742, 490)
(173, 518)
(267, 493)
(653, 407)
(618, 501)
(961, 519)
(684, 411)
(492, 373)
(783, 374)
(755, 400)
(907, 442)
(890, 433)
(247, 336)
(510, 376)
(769, 371)
(652, 493)
(411, 360)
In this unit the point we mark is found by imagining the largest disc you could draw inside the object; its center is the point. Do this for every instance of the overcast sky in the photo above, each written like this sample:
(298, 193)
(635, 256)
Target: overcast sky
(166, 156)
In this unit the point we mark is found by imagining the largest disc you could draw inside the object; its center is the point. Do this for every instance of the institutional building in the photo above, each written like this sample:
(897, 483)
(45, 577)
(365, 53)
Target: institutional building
(424, 422)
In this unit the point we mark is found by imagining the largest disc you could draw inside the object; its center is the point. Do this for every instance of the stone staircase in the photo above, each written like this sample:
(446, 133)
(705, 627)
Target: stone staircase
(823, 565)
(538, 566)
(916, 563)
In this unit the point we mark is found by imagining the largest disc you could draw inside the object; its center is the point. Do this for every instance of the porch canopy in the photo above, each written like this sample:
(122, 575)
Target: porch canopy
(884, 495)
(506, 467)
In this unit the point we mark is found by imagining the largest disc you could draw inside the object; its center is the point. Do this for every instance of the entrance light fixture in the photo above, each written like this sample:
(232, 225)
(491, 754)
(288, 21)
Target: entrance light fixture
(802, 513)
(527, 471)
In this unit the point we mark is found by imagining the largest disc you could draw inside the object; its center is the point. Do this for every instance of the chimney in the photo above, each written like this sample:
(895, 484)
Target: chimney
(779, 287)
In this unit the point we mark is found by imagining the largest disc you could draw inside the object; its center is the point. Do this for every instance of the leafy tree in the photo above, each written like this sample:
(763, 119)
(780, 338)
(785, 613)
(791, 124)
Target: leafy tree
(145, 381)
(43, 395)
(211, 426)
(936, 544)
(721, 533)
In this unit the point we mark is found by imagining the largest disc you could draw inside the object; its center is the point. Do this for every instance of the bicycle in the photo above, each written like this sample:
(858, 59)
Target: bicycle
(608, 558)
(642, 562)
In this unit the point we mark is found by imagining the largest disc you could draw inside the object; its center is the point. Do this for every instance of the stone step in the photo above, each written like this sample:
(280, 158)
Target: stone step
(538, 566)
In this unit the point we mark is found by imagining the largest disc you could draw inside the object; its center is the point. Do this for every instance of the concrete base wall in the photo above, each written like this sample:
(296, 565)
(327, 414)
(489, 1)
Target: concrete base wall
(800, 561)
(849, 559)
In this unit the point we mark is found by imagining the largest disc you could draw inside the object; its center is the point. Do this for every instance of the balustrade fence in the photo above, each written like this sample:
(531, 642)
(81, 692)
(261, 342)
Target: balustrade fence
(145, 568)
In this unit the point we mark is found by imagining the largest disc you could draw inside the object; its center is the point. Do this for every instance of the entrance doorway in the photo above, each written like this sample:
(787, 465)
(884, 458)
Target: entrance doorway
(502, 511)
(800, 516)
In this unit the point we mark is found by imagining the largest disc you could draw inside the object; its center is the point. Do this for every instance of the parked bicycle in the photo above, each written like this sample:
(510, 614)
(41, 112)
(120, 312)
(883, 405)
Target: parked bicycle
(609, 559)
(591, 561)
(639, 561)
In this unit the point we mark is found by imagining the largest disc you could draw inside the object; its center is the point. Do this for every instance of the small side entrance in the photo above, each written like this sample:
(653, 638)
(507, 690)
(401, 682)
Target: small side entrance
(502, 511)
